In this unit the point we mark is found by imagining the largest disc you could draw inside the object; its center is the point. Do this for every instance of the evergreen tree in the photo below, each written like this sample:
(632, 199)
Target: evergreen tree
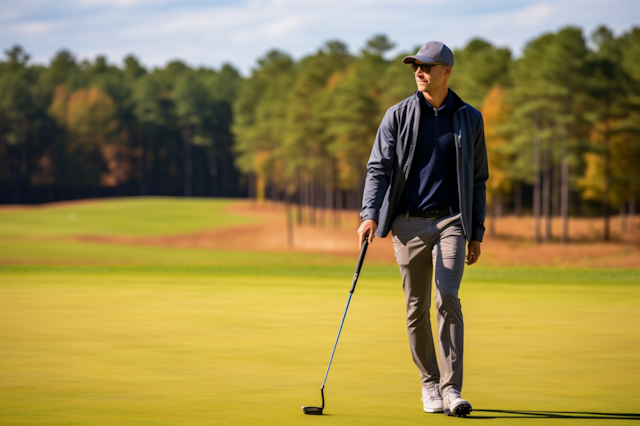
(479, 67)
(260, 113)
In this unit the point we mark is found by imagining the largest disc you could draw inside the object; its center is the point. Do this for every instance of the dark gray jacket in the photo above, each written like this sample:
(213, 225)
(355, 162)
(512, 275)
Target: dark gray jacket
(392, 154)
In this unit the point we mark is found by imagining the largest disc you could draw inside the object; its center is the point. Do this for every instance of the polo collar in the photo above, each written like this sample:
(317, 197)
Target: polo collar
(448, 102)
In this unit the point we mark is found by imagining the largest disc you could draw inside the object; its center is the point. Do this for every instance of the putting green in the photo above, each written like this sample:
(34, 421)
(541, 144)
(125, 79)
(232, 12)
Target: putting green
(182, 345)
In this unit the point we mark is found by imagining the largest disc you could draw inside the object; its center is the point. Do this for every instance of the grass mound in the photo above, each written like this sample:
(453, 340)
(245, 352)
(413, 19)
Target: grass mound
(136, 216)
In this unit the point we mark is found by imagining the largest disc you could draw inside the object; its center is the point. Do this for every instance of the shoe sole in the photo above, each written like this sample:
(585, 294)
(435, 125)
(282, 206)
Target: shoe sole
(435, 410)
(460, 410)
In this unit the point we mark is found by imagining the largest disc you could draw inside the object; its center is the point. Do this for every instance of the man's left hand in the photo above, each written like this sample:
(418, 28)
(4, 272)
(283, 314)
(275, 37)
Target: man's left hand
(473, 253)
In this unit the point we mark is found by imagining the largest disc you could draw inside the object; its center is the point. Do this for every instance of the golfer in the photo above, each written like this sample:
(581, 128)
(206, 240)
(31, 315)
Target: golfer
(426, 184)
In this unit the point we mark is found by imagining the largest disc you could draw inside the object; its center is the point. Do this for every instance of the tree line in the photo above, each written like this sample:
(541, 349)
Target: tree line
(84, 129)
(561, 124)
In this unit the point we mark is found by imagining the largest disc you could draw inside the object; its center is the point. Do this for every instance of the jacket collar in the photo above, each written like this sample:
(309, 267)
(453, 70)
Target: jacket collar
(457, 102)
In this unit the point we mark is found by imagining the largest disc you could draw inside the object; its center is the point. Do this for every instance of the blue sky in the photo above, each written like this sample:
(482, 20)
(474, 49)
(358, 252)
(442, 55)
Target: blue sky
(211, 33)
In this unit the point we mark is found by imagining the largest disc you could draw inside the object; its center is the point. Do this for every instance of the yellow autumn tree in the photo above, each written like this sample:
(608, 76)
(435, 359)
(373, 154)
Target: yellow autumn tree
(495, 114)
(623, 153)
(88, 117)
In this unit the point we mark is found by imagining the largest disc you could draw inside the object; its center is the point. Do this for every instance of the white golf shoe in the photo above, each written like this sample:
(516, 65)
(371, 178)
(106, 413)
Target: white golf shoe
(431, 399)
(455, 405)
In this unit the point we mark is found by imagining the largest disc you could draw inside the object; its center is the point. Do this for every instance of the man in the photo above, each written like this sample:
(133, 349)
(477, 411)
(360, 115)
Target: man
(426, 184)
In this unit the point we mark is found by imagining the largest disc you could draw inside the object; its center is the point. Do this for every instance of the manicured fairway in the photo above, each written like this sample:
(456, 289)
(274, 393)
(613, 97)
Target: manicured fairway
(112, 334)
(248, 346)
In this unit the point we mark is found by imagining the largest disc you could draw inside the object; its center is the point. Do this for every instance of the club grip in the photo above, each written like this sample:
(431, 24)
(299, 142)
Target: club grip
(363, 251)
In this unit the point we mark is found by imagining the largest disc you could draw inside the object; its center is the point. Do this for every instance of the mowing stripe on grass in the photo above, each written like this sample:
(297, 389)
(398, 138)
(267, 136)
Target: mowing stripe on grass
(475, 274)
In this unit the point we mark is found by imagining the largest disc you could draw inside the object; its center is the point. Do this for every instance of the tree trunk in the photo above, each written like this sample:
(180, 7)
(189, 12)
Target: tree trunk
(271, 192)
(320, 205)
(338, 208)
(214, 183)
(556, 191)
(311, 207)
(536, 186)
(607, 184)
(143, 162)
(328, 202)
(564, 190)
(546, 193)
(289, 218)
(15, 166)
(251, 186)
(275, 193)
(305, 203)
(266, 191)
(355, 202)
(198, 173)
(360, 193)
(623, 220)
(517, 196)
(298, 196)
(188, 162)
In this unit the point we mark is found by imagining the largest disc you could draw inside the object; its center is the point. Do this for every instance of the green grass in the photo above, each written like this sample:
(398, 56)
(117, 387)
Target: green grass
(312, 265)
(103, 334)
(74, 253)
(182, 345)
(139, 216)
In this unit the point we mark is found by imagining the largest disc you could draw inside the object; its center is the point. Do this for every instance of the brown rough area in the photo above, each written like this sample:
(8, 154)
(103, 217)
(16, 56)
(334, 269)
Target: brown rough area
(512, 244)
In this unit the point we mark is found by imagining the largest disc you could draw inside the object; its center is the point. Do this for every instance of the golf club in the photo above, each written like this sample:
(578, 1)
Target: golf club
(318, 410)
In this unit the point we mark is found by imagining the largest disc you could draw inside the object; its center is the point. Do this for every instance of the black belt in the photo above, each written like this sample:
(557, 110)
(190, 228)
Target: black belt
(430, 214)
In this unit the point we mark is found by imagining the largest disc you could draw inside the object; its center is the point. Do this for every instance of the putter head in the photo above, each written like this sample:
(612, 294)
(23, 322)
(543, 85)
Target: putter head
(315, 411)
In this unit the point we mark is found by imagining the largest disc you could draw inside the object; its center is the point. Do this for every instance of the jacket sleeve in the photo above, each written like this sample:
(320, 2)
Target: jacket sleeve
(480, 176)
(379, 168)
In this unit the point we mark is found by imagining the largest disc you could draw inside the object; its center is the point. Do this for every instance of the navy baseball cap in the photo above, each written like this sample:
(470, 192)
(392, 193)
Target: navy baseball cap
(433, 51)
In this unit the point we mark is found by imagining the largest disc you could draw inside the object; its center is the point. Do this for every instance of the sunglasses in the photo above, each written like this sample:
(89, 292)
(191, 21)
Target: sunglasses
(426, 68)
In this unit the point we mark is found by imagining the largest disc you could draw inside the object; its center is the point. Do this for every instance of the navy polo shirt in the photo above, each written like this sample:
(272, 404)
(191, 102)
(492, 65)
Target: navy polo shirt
(433, 181)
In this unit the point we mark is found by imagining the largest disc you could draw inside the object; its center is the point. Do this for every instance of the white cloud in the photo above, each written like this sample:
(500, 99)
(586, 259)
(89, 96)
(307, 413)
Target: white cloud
(242, 31)
(124, 4)
(29, 28)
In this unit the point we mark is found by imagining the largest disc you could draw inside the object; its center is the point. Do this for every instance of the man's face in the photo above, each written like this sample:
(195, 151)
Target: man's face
(434, 79)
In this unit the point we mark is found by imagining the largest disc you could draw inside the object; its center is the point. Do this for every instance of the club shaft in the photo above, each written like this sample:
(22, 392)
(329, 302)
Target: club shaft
(363, 251)
(337, 338)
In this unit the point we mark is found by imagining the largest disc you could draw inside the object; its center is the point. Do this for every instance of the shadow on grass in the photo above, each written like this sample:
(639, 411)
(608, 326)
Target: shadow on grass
(526, 414)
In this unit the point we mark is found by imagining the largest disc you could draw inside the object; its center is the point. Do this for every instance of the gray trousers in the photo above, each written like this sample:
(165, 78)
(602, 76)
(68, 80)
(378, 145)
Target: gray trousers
(424, 248)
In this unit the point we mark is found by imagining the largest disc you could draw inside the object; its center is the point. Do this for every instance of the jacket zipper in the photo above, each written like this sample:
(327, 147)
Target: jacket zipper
(458, 144)
(414, 142)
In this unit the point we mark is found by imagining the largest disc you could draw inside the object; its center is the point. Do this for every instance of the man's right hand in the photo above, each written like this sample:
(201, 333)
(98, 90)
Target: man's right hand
(367, 227)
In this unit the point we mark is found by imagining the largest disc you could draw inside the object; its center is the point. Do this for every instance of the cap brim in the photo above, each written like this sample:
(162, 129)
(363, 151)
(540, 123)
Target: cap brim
(423, 59)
